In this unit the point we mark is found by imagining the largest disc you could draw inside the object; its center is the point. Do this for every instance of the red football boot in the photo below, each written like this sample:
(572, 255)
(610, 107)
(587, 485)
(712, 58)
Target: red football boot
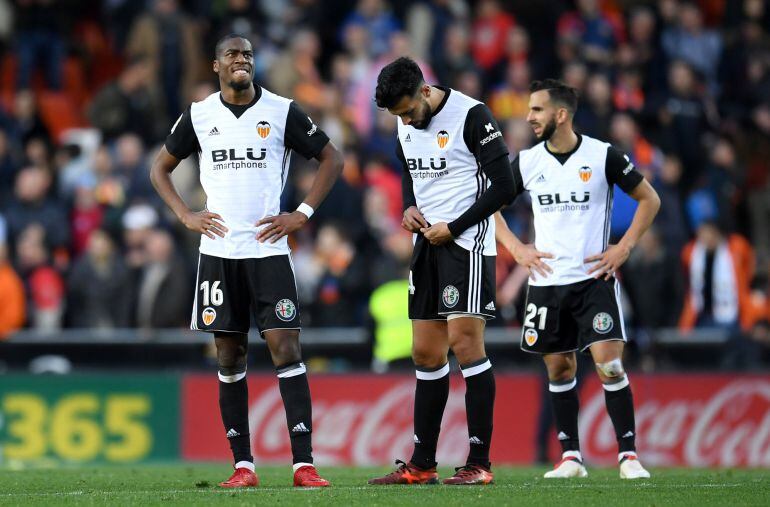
(407, 473)
(471, 474)
(241, 478)
(307, 477)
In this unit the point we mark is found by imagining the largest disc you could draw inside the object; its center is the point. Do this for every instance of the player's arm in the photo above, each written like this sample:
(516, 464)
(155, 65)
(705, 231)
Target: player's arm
(622, 172)
(524, 254)
(412, 219)
(303, 136)
(483, 138)
(179, 144)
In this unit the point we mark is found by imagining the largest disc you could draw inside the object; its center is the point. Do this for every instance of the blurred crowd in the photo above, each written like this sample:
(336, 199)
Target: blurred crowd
(90, 89)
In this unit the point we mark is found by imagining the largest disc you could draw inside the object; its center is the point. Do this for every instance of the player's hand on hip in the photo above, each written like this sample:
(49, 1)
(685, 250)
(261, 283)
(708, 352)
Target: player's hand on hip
(280, 225)
(205, 222)
(413, 220)
(437, 234)
(531, 258)
(608, 262)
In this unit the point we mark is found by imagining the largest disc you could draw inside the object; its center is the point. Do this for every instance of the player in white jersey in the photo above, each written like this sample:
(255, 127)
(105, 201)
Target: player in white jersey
(244, 136)
(572, 299)
(456, 175)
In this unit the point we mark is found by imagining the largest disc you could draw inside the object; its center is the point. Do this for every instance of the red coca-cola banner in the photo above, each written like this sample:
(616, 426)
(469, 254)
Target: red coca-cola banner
(691, 420)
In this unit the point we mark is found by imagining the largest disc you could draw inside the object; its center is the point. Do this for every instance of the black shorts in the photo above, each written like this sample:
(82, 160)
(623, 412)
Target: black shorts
(565, 318)
(448, 279)
(228, 290)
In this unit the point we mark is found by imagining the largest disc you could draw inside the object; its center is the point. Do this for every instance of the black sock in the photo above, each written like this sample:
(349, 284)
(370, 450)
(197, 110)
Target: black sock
(234, 407)
(430, 397)
(479, 405)
(292, 381)
(564, 400)
(620, 407)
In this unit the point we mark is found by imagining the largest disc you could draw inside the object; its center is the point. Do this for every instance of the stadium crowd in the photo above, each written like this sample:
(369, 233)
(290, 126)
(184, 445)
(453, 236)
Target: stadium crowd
(90, 89)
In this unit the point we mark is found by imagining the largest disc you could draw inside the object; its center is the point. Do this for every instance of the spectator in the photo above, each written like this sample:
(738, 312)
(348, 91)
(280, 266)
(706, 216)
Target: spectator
(99, 287)
(654, 283)
(131, 165)
(670, 221)
(12, 311)
(40, 29)
(488, 37)
(130, 104)
(511, 98)
(31, 205)
(343, 283)
(163, 291)
(719, 268)
(593, 117)
(594, 31)
(378, 22)
(694, 44)
(171, 42)
(9, 166)
(43, 285)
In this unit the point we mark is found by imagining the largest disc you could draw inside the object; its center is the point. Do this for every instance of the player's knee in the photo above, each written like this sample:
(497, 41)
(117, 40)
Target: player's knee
(285, 350)
(426, 357)
(611, 369)
(231, 359)
(467, 348)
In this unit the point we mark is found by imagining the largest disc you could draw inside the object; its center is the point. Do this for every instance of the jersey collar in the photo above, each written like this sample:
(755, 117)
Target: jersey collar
(239, 109)
(563, 157)
(441, 104)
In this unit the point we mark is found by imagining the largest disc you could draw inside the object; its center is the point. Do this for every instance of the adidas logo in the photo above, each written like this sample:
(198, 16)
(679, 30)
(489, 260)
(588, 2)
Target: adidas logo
(562, 436)
(300, 428)
(490, 306)
(475, 440)
(231, 433)
(628, 434)
(408, 138)
(416, 440)
(214, 132)
(541, 178)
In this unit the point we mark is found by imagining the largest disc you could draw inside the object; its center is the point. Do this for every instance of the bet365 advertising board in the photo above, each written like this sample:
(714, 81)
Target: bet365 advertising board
(89, 418)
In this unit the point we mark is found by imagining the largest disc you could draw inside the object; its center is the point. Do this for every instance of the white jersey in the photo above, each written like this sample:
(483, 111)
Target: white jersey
(244, 154)
(444, 162)
(572, 202)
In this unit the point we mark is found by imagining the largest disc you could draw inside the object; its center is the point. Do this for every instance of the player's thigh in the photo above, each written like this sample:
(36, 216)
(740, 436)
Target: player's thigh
(547, 326)
(598, 313)
(221, 296)
(466, 281)
(423, 282)
(430, 343)
(273, 290)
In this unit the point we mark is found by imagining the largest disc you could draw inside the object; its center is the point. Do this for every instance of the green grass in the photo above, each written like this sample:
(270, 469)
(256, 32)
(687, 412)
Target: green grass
(187, 484)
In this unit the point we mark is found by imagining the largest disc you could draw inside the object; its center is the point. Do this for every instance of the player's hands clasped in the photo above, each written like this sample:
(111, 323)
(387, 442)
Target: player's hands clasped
(413, 220)
(204, 222)
(280, 225)
(437, 234)
(531, 258)
(609, 261)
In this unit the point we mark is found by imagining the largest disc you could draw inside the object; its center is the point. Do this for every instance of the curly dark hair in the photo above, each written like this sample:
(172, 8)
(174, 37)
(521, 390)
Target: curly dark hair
(558, 91)
(399, 78)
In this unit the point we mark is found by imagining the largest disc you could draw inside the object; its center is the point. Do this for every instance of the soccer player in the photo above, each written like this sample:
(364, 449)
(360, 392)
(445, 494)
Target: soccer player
(244, 136)
(456, 175)
(573, 296)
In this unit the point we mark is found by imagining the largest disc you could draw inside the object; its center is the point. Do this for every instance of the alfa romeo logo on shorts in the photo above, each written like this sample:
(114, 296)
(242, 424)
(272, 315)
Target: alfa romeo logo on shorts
(285, 310)
(208, 315)
(530, 336)
(451, 296)
(603, 323)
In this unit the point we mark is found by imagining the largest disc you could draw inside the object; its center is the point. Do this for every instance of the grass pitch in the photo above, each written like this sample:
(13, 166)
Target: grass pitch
(188, 484)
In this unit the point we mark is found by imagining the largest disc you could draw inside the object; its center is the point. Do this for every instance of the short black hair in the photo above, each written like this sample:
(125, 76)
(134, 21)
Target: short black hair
(398, 78)
(558, 91)
(225, 38)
